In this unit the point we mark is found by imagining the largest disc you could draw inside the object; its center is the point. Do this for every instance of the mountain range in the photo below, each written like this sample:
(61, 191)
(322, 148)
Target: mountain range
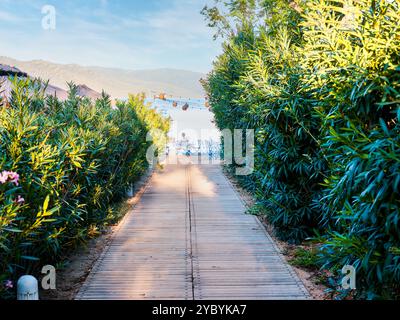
(116, 82)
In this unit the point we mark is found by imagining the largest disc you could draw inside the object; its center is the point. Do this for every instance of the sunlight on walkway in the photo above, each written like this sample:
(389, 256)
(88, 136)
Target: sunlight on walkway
(188, 238)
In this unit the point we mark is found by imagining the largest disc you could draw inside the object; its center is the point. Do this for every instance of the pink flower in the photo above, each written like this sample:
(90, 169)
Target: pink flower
(13, 178)
(8, 284)
(3, 177)
(9, 176)
(20, 200)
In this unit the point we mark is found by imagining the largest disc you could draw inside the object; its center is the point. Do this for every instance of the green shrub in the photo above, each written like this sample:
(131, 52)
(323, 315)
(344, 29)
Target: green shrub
(289, 165)
(353, 53)
(320, 82)
(75, 159)
(305, 258)
(256, 84)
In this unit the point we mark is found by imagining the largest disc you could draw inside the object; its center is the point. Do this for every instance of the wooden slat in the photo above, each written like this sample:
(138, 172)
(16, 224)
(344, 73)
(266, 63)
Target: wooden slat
(189, 238)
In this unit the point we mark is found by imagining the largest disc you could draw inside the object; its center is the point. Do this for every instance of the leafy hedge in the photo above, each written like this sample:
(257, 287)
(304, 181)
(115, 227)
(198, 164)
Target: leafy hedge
(319, 81)
(357, 84)
(63, 166)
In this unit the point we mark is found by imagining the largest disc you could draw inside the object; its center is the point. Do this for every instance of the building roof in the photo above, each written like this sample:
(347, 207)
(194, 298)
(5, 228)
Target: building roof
(6, 70)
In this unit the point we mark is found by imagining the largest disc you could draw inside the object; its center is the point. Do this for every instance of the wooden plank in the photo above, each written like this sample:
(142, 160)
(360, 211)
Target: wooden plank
(234, 258)
(189, 238)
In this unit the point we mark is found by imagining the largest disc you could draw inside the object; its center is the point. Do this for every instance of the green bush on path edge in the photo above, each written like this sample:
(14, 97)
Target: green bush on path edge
(319, 81)
(63, 167)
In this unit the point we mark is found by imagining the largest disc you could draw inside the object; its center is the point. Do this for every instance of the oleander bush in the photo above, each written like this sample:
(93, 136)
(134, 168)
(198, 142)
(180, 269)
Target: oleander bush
(256, 84)
(353, 51)
(319, 81)
(62, 167)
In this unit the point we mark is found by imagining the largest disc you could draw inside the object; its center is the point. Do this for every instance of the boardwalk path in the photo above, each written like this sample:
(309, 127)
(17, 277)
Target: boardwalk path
(188, 238)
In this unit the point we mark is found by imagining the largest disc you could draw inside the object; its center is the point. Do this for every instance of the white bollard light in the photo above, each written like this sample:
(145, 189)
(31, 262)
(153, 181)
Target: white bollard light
(27, 288)
(129, 192)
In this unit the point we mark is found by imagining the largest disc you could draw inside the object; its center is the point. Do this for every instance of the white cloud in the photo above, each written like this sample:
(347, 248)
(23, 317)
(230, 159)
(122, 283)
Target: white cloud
(8, 17)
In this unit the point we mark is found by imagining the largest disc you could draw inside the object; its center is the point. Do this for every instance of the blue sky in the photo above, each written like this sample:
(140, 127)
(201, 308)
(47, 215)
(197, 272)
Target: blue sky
(130, 34)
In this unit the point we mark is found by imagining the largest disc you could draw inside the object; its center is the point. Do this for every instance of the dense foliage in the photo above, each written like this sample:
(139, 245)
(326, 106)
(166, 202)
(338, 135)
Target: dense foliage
(319, 81)
(62, 167)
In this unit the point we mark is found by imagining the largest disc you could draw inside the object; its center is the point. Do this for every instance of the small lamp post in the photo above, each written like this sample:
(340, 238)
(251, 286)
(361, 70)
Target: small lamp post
(129, 191)
(27, 288)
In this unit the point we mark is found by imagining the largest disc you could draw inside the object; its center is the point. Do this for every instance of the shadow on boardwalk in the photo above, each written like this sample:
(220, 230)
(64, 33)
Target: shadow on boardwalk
(189, 238)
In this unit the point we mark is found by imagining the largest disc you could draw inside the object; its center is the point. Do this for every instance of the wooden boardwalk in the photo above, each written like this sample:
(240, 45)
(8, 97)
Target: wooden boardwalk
(189, 238)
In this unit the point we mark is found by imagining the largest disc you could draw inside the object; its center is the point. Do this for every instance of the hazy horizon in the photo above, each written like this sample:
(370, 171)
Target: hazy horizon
(117, 82)
(97, 66)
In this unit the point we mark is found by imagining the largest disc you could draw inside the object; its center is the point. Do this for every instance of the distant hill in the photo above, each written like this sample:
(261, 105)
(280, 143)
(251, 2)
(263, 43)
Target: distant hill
(85, 91)
(7, 71)
(116, 82)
